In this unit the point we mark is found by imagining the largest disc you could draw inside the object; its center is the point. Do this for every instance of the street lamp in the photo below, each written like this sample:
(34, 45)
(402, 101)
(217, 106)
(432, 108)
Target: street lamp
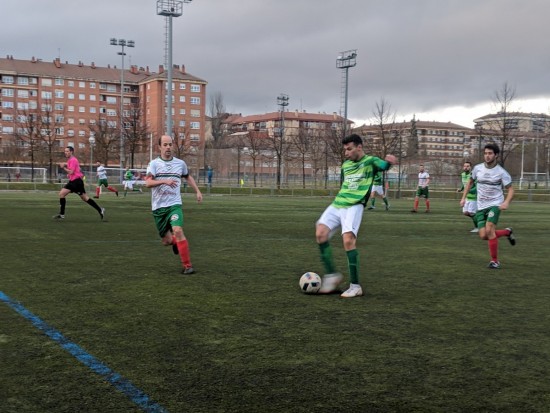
(170, 9)
(92, 143)
(344, 61)
(122, 43)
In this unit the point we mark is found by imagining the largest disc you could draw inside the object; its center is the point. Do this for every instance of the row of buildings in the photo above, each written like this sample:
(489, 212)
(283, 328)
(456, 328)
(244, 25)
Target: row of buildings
(84, 105)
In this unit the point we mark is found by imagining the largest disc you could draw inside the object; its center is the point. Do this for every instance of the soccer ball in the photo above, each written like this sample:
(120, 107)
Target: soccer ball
(310, 283)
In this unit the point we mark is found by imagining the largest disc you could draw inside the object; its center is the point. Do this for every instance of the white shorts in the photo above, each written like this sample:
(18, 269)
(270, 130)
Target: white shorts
(128, 184)
(470, 207)
(377, 189)
(349, 219)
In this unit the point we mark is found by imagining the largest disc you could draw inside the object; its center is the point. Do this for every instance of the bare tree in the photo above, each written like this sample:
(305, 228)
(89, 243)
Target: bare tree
(28, 127)
(386, 141)
(107, 138)
(52, 125)
(135, 130)
(504, 124)
(217, 115)
(302, 143)
(255, 142)
(279, 145)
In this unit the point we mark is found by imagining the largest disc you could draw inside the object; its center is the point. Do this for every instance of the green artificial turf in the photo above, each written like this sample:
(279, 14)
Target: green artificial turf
(435, 332)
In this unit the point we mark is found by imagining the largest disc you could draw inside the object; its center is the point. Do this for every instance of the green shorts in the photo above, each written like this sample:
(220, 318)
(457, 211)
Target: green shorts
(423, 192)
(168, 217)
(490, 214)
(102, 182)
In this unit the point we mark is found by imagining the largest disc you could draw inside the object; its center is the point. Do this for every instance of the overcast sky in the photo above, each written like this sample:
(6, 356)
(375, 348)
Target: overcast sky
(439, 59)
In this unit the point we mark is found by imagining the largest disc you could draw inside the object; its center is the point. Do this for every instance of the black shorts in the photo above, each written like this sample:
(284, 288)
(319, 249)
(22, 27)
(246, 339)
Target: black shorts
(76, 186)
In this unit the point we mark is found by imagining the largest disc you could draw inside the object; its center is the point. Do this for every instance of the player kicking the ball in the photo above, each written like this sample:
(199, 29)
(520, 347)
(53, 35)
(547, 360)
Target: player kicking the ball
(346, 212)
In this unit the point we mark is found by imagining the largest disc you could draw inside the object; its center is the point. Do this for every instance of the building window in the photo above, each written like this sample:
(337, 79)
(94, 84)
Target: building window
(195, 101)
(58, 106)
(195, 88)
(81, 84)
(70, 83)
(182, 123)
(182, 111)
(93, 98)
(59, 93)
(92, 109)
(195, 125)
(70, 108)
(59, 82)
(196, 113)
(46, 82)
(92, 85)
(8, 80)
(81, 96)
(111, 112)
(23, 81)
(110, 99)
(182, 99)
(81, 133)
(182, 86)
(81, 109)
(70, 133)
(70, 95)
(194, 137)
(7, 92)
(46, 95)
(82, 121)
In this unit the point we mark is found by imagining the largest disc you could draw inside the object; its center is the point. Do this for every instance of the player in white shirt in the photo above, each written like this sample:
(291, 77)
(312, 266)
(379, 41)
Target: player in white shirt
(164, 178)
(102, 180)
(491, 181)
(422, 190)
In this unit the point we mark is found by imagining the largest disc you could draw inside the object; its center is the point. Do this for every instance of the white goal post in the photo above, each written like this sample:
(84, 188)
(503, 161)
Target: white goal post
(23, 174)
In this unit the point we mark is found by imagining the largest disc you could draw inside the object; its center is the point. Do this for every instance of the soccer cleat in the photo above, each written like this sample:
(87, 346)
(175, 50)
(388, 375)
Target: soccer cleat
(475, 230)
(413, 211)
(116, 193)
(188, 271)
(494, 265)
(175, 249)
(388, 207)
(102, 213)
(511, 237)
(330, 282)
(96, 197)
(427, 211)
(371, 207)
(58, 217)
(354, 290)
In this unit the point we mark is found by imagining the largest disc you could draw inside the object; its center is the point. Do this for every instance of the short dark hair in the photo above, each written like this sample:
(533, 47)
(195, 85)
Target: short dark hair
(353, 138)
(494, 147)
(70, 148)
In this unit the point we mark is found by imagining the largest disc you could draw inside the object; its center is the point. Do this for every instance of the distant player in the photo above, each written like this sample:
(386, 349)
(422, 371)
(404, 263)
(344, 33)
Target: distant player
(491, 180)
(75, 184)
(164, 178)
(378, 191)
(422, 190)
(346, 212)
(129, 180)
(102, 180)
(470, 206)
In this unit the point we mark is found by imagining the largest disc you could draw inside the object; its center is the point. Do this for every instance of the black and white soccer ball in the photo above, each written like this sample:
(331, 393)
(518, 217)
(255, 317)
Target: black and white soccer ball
(310, 283)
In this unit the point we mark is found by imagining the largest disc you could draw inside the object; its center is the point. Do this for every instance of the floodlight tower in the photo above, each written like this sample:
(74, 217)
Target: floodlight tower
(282, 101)
(344, 61)
(169, 9)
(123, 43)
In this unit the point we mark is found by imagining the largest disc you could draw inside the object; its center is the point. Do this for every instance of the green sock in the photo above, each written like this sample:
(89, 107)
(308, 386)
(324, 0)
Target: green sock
(385, 200)
(353, 264)
(373, 201)
(326, 257)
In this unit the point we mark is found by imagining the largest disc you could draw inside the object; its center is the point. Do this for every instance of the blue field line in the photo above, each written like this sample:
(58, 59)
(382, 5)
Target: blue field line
(134, 394)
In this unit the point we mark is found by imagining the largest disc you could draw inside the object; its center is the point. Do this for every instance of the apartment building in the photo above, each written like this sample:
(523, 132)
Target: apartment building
(515, 122)
(422, 140)
(76, 97)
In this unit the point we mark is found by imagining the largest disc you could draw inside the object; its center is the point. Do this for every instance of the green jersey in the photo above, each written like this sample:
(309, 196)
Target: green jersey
(472, 193)
(129, 175)
(378, 179)
(358, 180)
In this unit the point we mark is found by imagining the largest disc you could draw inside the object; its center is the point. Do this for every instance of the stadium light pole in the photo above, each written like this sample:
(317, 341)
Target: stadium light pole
(344, 61)
(122, 43)
(282, 101)
(170, 9)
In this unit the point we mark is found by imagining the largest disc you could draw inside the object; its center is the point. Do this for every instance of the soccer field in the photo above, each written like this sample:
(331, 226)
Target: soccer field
(96, 317)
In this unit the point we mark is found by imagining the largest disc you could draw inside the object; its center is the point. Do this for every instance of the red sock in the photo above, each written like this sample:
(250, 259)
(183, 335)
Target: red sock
(110, 188)
(502, 233)
(183, 249)
(416, 204)
(427, 205)
(97, 191)
(493, 249)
